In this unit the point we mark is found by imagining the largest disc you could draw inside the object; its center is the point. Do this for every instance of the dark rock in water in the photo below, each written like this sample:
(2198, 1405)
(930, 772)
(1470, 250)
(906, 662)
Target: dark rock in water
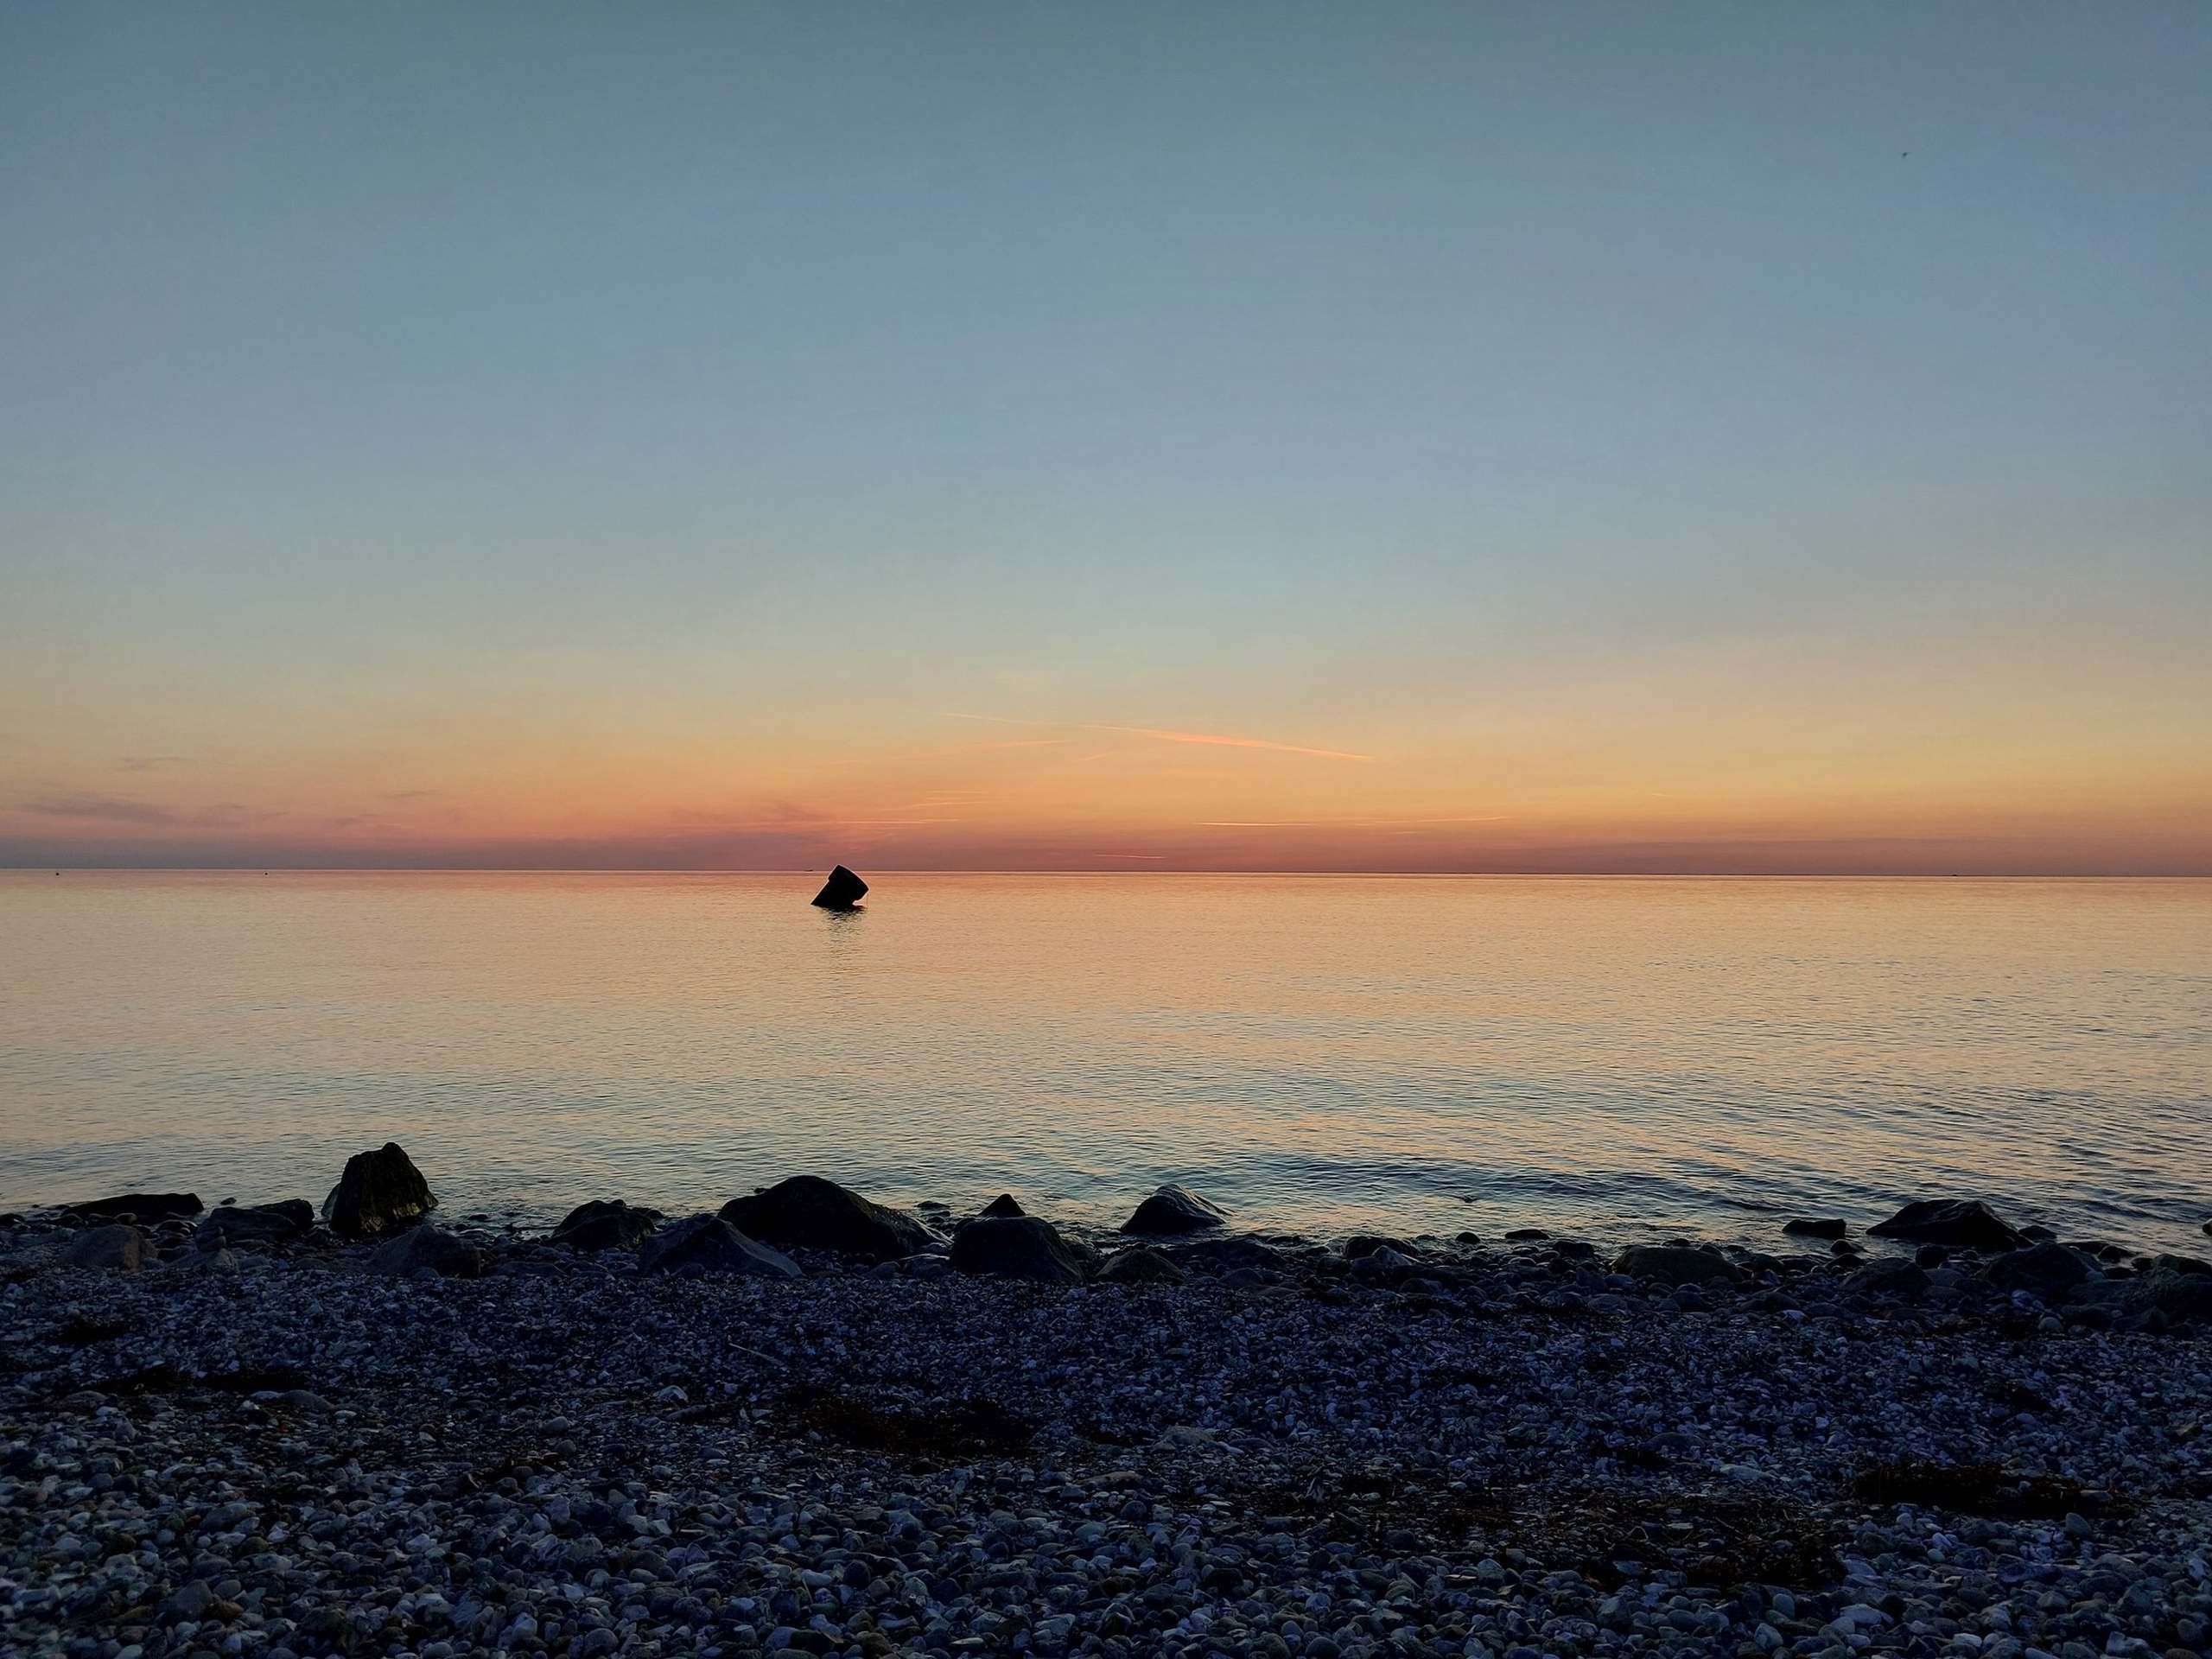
(2045, 1268)
(1022, 1247)
(2189, 1264)
(426, 1250)
(606, 1223)
(257, 1224)
(1172, 1211)
(380, 1192)
(1675, 1264)
(1004, 1204)
(807, 1212)
(702, 1244)
(1140, 1265)
(1824, 1227)
(1525, 1235)
(842, 891)
(113, 1248)
(2208, 1230)
(137, 1206)
(1361, 1244)
(1898, 1280)
(1962, 1223)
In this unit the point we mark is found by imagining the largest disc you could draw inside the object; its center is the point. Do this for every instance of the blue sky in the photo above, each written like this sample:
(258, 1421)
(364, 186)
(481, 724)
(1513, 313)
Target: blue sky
(664, 393)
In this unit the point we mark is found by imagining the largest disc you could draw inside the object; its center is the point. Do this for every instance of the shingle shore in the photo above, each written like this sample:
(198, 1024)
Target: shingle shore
(1439, 1449)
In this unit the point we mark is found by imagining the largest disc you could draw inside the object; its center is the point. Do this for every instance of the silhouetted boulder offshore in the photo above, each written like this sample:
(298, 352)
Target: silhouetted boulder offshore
(380, 1192)
(842, 891)
(806, 1212)
(1172, 1211)
(1005, 1204)
(1962, 1223)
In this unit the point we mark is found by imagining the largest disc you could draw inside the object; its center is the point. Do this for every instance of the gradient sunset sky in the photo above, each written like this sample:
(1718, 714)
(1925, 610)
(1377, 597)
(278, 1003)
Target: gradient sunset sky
(1731, 438)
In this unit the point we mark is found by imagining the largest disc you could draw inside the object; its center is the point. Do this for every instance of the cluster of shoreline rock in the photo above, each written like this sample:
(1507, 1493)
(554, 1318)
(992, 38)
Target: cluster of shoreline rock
(1963, 1250)
(810, 1423)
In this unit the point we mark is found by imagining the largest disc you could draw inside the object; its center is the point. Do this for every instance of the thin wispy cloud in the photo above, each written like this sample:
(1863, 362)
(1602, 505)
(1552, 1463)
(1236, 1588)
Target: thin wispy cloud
(99, 809)
(1338, 823)
(1216, 739)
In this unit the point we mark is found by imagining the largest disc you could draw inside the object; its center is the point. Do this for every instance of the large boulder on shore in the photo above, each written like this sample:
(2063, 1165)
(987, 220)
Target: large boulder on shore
(1140, 1265)
(1173, 1211)
(806, 1212)
(426, 1250)
(703, 1244)
(1961, 1223)
(1005, 1204)
(1022, 1247)
(380, 1192)
(1891, 1279)
(1678, 1265)
(255, 1223)
(2047, 1270)
(143, 1207)
(606, 1223)
(116, 1248)
(842, 891)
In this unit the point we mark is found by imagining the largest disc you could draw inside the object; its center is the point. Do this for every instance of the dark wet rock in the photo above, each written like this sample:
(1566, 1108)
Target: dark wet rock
(1808, 1227)
(1021, 1247)
(1173, 1211)
(1221, 1256)
(1931, 1255)
(143, 1207)
(1962, 1223)
(806, 1212)
(2181, 1264)
(2045, 1268)
(115, 1247)
(380, 1192)
(606, 1223)
(1385, 1263)
(1140, 1265)
(2208, 1230)
(2184, 1298)
(842, 891)
(424, 1248)
(1525, 1235)
(1675, 1264)
(1360, 1244)
(281, 1222)
(1004, 1204)
(1893, 1280)
(703, 1244)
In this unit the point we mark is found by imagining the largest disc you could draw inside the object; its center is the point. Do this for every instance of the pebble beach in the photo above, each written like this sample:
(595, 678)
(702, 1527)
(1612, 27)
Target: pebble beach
(267, 1438)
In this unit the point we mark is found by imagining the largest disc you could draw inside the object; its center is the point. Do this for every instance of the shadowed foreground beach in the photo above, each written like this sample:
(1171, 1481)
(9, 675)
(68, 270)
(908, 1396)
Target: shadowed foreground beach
(441, 1442)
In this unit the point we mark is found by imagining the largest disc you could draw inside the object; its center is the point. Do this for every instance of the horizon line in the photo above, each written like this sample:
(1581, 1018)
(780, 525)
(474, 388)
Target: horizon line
(901, 869)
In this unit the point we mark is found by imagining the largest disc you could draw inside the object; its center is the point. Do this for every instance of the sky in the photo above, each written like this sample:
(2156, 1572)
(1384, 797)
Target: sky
(1729, 438)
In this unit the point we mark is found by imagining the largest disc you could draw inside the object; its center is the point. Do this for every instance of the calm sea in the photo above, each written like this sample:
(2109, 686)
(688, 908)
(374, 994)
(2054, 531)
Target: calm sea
(1616, 1056)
